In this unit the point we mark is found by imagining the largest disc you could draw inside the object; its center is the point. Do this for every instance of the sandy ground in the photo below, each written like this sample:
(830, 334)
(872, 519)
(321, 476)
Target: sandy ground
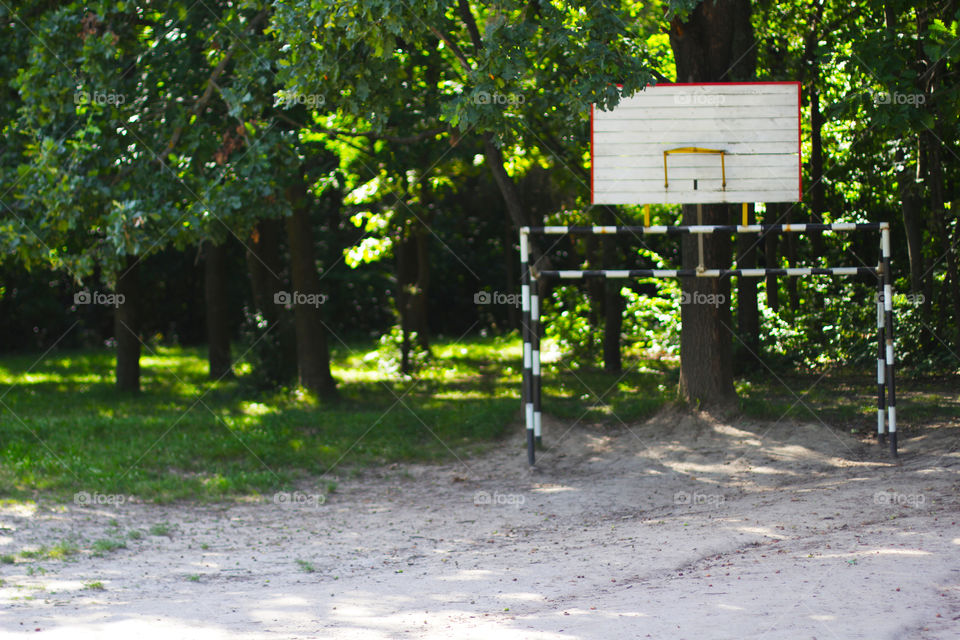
(681, 527)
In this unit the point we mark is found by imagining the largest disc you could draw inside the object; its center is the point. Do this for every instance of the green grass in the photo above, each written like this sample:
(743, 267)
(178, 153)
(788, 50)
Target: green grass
(306, 566)
(67, 430)
(60, 551)
(160, 529)
(106, 545)
(845, 402)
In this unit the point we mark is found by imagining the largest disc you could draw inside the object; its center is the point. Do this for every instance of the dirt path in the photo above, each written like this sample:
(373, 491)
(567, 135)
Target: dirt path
(677, 528)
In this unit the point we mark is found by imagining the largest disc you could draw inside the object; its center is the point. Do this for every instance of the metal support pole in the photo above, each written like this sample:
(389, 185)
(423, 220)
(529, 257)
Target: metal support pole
(536, 332)
(881, 361)
(527, 346)
(888, 337)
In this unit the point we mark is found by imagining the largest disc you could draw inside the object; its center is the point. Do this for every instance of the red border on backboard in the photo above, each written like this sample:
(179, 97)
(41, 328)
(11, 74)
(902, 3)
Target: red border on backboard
(729, 84)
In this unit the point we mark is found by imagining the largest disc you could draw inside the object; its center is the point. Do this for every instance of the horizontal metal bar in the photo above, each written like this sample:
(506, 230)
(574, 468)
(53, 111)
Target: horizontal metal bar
(576, 274)
(705, 229)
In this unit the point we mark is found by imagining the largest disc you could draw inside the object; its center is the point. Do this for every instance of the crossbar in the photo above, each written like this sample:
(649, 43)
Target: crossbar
(705, 228)
(706, 273)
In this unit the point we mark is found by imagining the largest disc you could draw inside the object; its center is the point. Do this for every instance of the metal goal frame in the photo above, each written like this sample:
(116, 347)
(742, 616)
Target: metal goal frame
(532, 326)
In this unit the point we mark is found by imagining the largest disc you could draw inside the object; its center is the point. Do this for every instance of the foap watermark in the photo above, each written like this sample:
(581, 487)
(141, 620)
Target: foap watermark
(86, 499)
(298, 499)
(310, 100)
(685, 497)
(99, 297)
(912, 299)
(699, 99)
(895, 97)
(515, 500)
(484, 97)
(892, 498)
(288, 298)
(698, 297)
(101, 98)
(495, 297)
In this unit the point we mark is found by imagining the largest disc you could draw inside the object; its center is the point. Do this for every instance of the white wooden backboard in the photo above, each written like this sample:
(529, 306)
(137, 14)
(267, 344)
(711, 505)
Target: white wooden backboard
(756, 125)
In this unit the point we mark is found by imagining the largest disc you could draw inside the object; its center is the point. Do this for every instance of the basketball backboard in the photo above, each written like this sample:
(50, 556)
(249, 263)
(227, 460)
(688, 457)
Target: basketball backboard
(699, 143)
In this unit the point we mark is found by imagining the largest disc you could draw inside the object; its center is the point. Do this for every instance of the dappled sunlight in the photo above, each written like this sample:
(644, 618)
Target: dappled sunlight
(693, 467)
(554, 489)
(762, 531)
(256, 409)
(772, 471)
(18, 508)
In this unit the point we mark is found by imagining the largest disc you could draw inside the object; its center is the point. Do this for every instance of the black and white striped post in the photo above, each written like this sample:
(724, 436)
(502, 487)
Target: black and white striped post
(525, 282)
(888, 336)
(531, 330)
(881, 359)
(535, 333)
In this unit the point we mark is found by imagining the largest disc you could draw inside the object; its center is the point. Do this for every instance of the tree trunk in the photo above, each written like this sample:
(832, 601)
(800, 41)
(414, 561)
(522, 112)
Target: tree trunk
(413, 277)
(818, 203)
(771, 261)
(263, 265)
(126, 327)
(313, 353)
(512, 266)
(790, 240)
(706, 362)
(748, 315)
(909, 207)
(612, 301)
(714, 44)
(215, 278)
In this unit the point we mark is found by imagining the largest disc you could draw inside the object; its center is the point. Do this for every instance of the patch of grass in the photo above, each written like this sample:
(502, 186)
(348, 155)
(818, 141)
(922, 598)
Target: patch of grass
(160, 529)
(63, 549)
(135, 534)
(195, 577)
(94, 586)
(7, 559)
(60, 551)
(306, 566)
(608, 398)
(106, 545)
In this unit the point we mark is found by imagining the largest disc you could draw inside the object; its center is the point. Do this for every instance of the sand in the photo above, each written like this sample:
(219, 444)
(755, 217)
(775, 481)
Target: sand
(680, 527)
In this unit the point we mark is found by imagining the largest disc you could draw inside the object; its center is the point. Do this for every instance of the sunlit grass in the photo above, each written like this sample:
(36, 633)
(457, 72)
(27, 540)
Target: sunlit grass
(65, 429)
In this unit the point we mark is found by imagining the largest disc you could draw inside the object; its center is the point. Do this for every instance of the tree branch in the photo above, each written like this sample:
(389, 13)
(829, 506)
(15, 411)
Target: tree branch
(453, 48)
(370, 135)
(463, 6)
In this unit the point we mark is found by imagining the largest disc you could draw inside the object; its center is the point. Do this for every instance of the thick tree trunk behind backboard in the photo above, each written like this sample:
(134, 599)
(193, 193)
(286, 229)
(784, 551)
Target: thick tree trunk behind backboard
(714, 44)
